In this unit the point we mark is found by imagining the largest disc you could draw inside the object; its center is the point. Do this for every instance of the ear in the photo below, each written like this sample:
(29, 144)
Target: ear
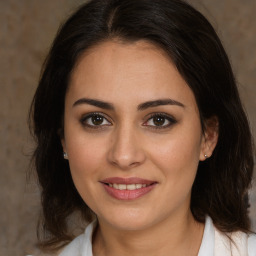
(62, 140)
(63, 144)
(210, 137)
(65, 154)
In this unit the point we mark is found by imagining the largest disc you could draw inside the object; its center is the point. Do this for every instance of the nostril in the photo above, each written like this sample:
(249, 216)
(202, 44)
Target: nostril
(125, 156)
(135, 163)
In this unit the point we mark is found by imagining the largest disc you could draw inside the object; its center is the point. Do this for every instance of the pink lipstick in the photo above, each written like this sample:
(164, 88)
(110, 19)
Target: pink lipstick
(127, 188)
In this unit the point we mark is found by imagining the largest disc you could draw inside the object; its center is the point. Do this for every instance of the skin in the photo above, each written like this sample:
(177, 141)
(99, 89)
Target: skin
(128, 144)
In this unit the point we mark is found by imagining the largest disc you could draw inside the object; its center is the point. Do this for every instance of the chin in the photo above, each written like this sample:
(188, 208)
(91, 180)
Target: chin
(131, 224)
(131, 220)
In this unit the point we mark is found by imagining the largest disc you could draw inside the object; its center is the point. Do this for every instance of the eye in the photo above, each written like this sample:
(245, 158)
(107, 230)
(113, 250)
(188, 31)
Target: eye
(95, 120)
(160, 121)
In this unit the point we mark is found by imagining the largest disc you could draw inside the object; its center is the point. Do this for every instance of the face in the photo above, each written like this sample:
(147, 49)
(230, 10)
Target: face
(132, 133)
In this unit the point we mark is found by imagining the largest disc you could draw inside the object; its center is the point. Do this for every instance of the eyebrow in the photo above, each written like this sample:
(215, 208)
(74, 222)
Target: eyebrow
(94, 102)
(159, 102)
(142, 106)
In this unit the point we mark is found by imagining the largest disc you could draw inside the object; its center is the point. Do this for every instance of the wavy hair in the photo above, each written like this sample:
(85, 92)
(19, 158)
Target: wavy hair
(222, 182)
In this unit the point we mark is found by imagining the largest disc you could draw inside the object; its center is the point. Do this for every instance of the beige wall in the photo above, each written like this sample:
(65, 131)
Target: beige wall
(27, 28)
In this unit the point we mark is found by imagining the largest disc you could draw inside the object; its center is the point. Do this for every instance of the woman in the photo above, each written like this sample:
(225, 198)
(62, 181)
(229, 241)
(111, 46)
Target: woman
(140, 128)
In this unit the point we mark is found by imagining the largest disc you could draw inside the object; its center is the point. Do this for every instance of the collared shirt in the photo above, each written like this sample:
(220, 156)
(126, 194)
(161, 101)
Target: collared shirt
(214, 243)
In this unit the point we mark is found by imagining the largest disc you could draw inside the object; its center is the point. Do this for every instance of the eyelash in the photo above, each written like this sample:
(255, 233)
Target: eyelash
(88, 116)
(169, 118)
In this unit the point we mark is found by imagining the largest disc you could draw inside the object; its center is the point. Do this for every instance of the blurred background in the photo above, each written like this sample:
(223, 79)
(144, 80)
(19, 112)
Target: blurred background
(27, 28)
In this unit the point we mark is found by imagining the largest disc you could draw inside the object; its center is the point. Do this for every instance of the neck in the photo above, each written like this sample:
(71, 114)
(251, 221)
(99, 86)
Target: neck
(175, 235)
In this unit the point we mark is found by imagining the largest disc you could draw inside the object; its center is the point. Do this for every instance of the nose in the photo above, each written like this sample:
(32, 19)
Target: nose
(126, 149)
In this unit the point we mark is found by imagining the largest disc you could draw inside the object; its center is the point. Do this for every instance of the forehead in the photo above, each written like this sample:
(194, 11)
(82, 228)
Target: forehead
(140, 70)
(111, 55)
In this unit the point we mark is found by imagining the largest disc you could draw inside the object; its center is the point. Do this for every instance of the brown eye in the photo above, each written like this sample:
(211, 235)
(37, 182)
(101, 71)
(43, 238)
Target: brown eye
(95, 120)
(159, 120)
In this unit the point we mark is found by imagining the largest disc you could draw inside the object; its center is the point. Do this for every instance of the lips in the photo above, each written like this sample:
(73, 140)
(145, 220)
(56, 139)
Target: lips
(127, 188)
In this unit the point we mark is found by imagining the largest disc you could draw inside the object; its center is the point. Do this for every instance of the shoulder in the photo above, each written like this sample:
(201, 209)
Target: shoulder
(239, 243)
(252, 245)
(74, 247)
(81, 245)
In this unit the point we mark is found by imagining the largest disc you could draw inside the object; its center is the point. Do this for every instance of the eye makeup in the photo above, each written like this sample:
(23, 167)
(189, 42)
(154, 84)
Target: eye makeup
(95, 120)
(160, 121)
(98, 120)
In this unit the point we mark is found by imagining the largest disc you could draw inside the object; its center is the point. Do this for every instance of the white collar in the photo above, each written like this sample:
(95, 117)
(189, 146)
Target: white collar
(207, 245)
(87, 245)
(82, 245)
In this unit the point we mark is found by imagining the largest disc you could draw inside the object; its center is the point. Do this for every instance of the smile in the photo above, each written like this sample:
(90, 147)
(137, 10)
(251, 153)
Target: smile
(127, 188)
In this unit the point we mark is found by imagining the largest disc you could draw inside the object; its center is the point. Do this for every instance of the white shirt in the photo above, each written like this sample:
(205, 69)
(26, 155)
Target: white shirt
(214, 243)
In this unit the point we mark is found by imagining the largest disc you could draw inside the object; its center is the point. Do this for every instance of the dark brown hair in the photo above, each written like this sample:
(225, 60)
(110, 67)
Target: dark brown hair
(222, 181)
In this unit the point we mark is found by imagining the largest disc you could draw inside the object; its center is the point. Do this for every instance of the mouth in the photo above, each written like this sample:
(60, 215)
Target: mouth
(127, 188)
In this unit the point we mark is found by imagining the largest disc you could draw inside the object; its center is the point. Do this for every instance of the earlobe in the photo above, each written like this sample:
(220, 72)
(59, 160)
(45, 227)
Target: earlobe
(62, 140)
(65, 154)
(210, 137)
(63, 144)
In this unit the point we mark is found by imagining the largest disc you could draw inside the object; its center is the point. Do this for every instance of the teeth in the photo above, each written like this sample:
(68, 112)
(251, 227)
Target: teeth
(131, 186)
(115, 186)
(127, 187)
(122, 186)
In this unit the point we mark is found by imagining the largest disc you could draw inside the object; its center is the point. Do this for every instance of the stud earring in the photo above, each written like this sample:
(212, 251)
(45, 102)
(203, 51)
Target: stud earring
(65, 155)
(205, 156)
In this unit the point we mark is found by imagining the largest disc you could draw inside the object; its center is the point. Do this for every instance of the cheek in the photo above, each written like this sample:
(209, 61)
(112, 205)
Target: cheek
(179, 154)
(86, 164)
(86, 156)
